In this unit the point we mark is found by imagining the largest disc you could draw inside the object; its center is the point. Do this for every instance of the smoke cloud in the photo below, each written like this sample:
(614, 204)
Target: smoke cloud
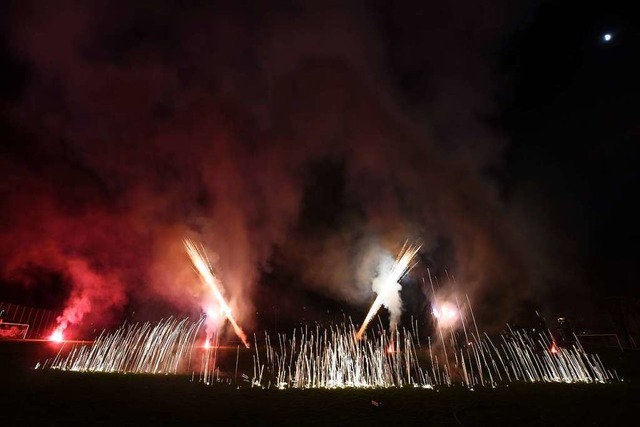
(250, 129)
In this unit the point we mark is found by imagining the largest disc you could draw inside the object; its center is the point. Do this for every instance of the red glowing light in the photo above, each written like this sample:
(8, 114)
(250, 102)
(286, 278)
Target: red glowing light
(56, 336)
(554, 348)
(207, 344)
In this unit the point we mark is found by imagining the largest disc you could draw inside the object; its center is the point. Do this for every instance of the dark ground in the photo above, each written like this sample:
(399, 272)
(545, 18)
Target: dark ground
(46, 398)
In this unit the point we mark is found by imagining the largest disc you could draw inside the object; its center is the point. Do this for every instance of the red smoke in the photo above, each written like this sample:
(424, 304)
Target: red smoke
(141, 126)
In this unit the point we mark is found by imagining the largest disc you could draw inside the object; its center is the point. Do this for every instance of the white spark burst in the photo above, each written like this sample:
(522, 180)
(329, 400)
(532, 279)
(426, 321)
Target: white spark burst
(388, 286)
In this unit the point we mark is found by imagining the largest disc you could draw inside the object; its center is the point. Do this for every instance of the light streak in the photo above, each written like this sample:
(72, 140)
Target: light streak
(402, 265)
(333, 357)
(338, 355)
(137, 348)
(198, 258)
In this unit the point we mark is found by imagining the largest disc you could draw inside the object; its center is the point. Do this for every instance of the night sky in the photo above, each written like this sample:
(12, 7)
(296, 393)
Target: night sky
(300, 144)
(571, 120)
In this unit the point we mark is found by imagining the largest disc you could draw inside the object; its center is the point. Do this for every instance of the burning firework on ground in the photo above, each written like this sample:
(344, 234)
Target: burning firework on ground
(341, 355)
(334, 358)
(202, 265)
(152, 349)
(136, 348)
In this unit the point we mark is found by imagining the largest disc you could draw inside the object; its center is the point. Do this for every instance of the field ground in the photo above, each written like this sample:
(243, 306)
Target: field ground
(31, 397)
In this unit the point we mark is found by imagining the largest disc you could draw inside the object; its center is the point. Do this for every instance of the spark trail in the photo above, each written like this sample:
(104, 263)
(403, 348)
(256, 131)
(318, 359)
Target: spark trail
(390, 282)
(199, 260)
(331, 357)
(135, 348)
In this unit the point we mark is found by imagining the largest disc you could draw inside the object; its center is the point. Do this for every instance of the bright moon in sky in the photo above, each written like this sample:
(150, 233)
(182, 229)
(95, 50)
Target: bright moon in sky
(607, 37)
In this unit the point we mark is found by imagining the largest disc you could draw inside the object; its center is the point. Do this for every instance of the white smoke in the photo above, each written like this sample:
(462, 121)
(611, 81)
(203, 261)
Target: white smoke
(390, 291)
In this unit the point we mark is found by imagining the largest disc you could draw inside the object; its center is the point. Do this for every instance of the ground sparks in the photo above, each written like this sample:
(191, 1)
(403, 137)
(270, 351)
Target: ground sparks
(137, 348)
(334, 357)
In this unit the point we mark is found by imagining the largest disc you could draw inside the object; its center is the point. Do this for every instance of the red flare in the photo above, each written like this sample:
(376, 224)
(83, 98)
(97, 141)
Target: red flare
(56, 336)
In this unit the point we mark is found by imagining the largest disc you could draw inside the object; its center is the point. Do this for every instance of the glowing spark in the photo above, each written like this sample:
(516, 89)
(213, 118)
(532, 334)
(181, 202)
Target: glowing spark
(401, 267)
(146, 348)
(607, 37)
(56, 336)
(206, 274)
(332, 358)
(447, 314)
(390, 347)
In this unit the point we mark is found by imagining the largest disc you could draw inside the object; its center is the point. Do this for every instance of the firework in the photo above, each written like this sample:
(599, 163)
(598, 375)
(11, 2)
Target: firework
(57, 335)
(199, 260)
(333, 357)
(137, 348)
(390, 283)
(338, 355)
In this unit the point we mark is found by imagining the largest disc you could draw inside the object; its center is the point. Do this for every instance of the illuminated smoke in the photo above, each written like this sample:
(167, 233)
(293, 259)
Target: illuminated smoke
(204, 123)
(91, 291)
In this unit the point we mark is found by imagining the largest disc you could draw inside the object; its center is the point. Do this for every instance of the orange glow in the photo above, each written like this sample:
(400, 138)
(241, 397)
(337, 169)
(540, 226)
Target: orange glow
(390, 348)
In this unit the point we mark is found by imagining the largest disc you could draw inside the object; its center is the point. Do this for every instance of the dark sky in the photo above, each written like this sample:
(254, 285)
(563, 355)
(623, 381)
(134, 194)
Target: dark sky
(298, 143)
(570, 116)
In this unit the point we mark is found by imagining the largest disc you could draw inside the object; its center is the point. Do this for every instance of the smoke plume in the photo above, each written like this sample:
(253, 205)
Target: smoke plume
(249, 129)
